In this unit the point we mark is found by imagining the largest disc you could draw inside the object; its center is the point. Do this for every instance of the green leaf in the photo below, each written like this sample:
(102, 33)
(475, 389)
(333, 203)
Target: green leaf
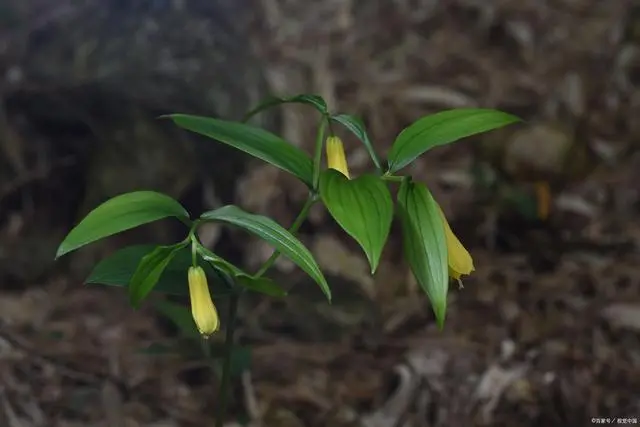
(118, 269)
(424, 243)
(355, 125)
(273, 233)
(121, 213)
(443, 128)
(149, 270)
(261, 285)
(219, 262)
(252, 140)
(313, 100)
(180, 316)
(362, 207)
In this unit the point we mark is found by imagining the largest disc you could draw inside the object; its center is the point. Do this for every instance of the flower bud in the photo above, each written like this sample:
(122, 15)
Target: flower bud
(203, 311)
(336, 158)
(459, 259)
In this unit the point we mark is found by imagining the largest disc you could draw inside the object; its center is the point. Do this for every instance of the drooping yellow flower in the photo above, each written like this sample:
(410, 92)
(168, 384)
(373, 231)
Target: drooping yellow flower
(202, 309)
(459, 259)
(336, 158)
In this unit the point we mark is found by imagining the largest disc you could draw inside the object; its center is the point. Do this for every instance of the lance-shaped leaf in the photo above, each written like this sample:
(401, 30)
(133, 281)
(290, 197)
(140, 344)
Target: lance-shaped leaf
(262, 285)
(218, 262)
(355, 125)
(122, 213)
(256, 284)
(274, 234)
(313, 100)
(149, 270)
(443, 128)
(424, 244)
(362, 207)
(118, 270)
(252, 140)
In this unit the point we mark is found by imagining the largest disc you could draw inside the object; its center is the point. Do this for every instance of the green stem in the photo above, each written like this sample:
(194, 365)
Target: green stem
(393, 178)
(223, 394)
(317, 156)
(194, 242)
(194, 253)
(293, 229)
(206, 348)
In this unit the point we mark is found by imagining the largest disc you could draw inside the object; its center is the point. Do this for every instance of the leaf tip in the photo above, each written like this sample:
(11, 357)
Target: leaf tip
(62, 250)
(134, 302)
(134, 299)
(374, 266)
(440, 313)
(69, 244)
(327, 293)
(514, 119)
(373, 258)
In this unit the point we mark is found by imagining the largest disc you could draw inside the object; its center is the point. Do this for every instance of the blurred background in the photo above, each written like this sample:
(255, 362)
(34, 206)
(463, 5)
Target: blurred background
(545, 333)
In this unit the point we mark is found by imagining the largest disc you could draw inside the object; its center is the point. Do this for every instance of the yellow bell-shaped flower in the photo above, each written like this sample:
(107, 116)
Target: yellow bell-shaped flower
(203, 311)
(336, 158)
(459, 259)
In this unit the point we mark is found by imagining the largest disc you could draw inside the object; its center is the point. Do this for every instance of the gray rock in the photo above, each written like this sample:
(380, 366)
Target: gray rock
(82, 85)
